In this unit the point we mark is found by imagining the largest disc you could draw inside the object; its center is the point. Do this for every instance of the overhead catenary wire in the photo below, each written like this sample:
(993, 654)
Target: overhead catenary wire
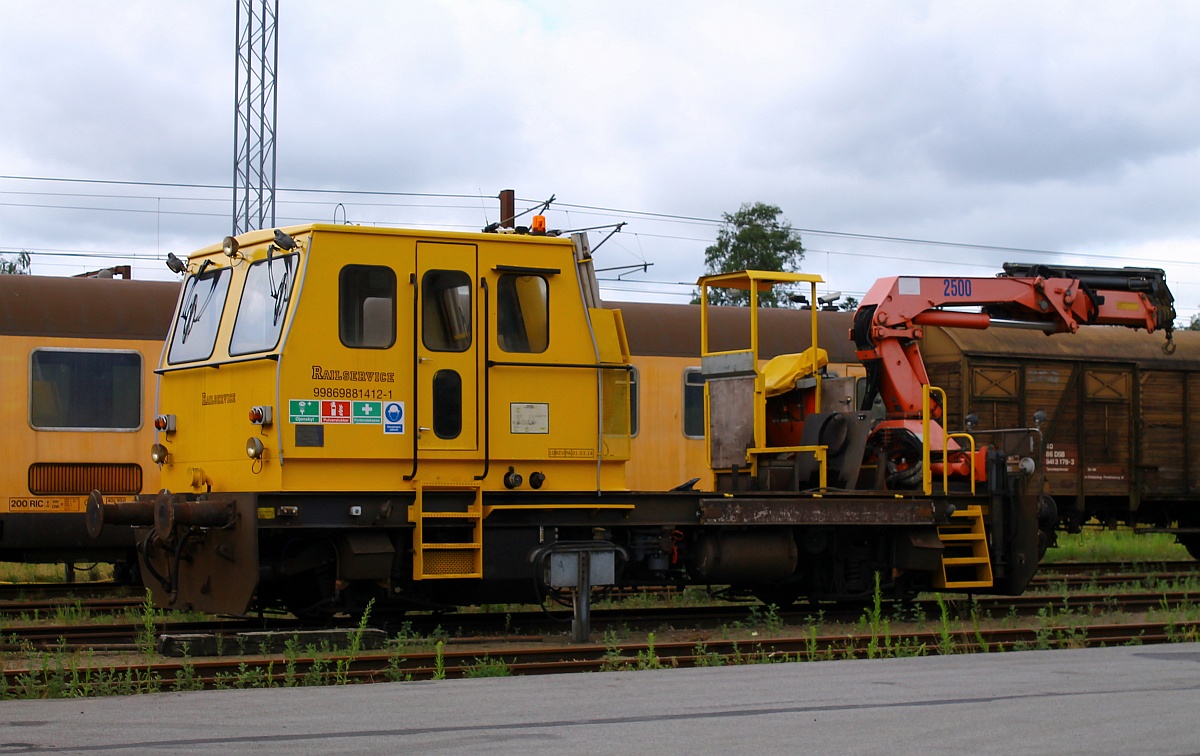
(474, 197)
(305, 198)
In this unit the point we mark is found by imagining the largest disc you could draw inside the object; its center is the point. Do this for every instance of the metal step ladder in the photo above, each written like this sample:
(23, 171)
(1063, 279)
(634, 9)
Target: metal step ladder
(443, 560)
(965, 560)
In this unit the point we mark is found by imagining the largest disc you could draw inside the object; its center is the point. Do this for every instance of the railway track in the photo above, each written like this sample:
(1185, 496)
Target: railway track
(49, 591)
(523, 642)
(125, 635)
(79, 622)
(49, 608)
(529, 659)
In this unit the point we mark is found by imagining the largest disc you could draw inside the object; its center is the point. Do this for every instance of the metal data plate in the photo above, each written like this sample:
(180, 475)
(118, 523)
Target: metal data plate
(564, 568)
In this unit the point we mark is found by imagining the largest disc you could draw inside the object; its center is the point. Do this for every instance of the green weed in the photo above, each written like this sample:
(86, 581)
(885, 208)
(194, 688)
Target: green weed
(648, 658)
(342, 672)
(487, 667)
(147, 637)
(706, 658)
(945, 634)
(439, 662)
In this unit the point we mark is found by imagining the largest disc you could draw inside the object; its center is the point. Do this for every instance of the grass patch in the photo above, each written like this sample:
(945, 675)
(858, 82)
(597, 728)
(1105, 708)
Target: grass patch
(19, 572)
(1120, 545)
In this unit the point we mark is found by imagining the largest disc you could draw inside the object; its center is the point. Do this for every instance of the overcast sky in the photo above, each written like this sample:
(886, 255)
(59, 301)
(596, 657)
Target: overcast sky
(1066, 131)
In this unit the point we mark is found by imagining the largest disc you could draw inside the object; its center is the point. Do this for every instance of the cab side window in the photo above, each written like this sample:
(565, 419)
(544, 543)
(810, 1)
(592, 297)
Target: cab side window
(367, 306)
(523, 313)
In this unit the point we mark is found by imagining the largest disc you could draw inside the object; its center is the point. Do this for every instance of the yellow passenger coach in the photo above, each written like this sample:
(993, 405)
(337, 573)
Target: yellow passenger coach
(76, 372)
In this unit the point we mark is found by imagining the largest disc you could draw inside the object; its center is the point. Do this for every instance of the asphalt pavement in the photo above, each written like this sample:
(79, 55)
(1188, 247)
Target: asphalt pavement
(1093, 701)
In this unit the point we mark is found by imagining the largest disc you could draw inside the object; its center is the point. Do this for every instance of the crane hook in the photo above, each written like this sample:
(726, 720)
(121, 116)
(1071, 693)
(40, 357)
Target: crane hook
(1170, 345)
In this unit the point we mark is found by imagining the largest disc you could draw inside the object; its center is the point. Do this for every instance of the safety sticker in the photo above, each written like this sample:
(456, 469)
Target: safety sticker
(393, 417)
(335, 412)
(304, 411)
(366, 413)
(331, 412)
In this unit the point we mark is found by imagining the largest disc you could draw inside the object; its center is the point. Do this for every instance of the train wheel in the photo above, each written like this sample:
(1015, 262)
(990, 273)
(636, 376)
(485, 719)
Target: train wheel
(304, 580)
(127, 573)
(309, 597)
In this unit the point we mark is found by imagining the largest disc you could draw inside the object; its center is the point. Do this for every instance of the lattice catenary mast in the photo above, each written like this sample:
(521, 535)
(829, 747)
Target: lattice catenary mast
(254, 115)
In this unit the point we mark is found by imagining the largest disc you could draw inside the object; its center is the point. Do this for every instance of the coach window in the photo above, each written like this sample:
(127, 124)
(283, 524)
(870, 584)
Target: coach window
(522, 313)
(693, 403)
(199, 316)
(265, 298)
(446, 311)
(76, 389)
(367, 306)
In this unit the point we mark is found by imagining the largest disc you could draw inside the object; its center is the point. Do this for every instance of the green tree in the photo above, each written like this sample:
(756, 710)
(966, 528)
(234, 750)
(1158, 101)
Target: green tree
(849, 303)
(1195, 324)
(19, 266)
(753, 238)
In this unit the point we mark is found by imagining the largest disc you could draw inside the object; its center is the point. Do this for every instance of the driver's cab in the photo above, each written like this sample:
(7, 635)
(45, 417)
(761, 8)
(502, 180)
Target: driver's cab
(409, 357)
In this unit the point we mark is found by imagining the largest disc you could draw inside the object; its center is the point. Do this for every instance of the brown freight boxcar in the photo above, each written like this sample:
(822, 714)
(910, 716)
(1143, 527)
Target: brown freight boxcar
(1121, 418)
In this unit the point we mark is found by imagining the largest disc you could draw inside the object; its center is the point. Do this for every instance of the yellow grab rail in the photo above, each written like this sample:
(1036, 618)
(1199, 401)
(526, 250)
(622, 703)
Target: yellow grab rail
(926, 471)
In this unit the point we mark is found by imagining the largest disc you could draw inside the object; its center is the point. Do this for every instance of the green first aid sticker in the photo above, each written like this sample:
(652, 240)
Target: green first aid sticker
(366, 413)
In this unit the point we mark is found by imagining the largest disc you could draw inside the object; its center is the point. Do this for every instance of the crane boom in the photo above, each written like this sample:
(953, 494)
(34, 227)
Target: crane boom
(888, 323)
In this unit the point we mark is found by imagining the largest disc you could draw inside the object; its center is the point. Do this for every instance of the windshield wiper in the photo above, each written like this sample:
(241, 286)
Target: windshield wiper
(278, 294)
(191, 317)
(188, 316)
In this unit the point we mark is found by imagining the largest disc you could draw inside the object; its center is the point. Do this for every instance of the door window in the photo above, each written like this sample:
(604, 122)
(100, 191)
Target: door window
(446, 321)
(447, 404)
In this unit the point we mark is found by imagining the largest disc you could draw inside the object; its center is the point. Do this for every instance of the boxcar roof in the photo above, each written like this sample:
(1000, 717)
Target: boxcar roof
(673, 330)
(86, 308)
(1090, 343)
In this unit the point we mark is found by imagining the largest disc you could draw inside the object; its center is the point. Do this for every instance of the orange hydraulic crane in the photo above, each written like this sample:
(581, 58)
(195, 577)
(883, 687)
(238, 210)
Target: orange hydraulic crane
(1057, 299)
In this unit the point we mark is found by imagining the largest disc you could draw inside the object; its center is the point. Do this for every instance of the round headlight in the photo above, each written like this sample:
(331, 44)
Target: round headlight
(158, 453)
(254, 448)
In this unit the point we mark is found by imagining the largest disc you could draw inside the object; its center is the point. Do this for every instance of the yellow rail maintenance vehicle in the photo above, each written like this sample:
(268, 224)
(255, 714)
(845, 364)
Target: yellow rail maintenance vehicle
(431, 419)
(325, 389)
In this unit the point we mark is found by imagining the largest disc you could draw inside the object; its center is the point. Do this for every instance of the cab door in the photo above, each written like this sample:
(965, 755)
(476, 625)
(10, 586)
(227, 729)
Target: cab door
(447, 347)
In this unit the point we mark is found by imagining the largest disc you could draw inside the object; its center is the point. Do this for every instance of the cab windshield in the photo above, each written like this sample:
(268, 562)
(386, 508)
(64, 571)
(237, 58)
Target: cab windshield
(264, 304)
(199, 316)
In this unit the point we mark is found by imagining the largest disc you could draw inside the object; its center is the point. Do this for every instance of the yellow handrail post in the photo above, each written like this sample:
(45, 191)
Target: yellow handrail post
(926, 473)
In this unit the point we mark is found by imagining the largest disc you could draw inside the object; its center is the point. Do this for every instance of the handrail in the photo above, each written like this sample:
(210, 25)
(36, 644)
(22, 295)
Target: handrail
(926, 469)
(820, 451)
